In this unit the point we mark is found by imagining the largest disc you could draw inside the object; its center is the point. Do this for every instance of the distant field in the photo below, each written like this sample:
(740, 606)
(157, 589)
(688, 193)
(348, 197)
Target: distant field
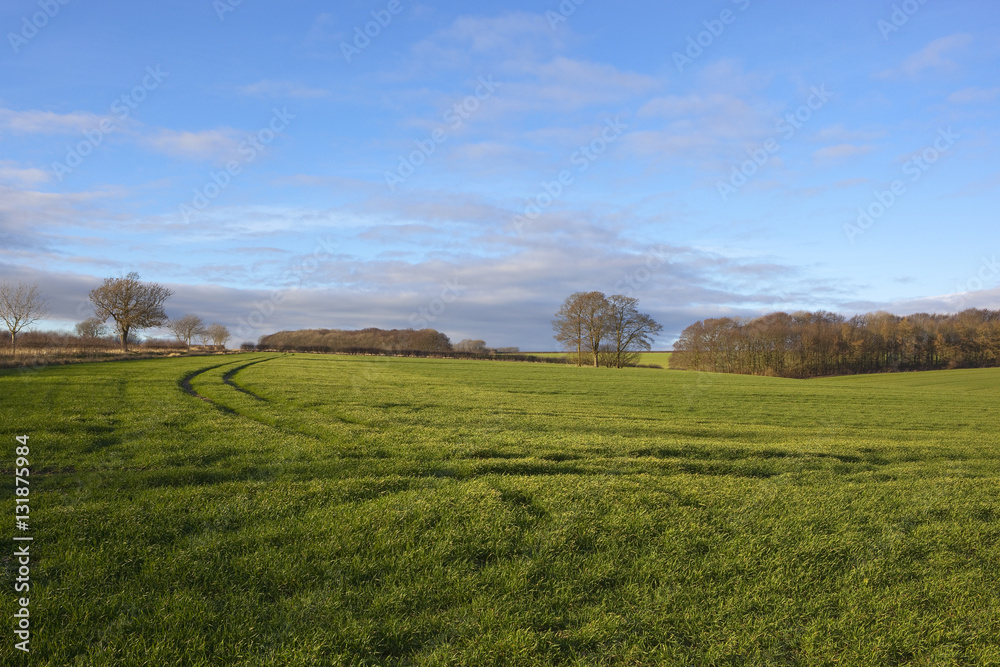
(658, 358)
(311, 510)
(646, 358)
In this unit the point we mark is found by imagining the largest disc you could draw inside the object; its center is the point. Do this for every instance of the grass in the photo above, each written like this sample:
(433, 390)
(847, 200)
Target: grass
(309, 510)
(661, 359)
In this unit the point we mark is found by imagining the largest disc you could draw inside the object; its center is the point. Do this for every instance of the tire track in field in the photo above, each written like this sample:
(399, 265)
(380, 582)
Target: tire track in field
(185, 384)
(275, 421)
(227, 378)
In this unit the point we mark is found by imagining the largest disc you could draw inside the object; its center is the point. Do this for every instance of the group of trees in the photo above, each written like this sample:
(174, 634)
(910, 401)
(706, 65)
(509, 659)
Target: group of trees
(337, 340)
(604, 331)
(127, 301)
(191, 327)
(479, 347)
(813, 344)
(394, 342)
(64, 342)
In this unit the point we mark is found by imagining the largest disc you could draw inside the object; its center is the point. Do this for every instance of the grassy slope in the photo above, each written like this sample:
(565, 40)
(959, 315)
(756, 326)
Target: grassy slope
(345, 510)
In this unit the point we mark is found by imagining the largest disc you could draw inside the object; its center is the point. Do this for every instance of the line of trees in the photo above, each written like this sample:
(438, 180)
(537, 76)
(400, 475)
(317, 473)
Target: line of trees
(73, 344)
(604, 331)
(191, 327)
(131, 304)
(337, 340)
(387, 342)
(807, 344)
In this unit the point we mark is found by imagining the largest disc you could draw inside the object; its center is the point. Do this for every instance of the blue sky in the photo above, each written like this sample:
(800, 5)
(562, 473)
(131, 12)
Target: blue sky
(466, 167)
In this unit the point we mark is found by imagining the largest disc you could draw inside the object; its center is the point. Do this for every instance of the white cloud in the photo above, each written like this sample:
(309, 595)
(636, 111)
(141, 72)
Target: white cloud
(931, 57)
(47, 122)
(839, 133)
(699, 127)
(323, 30)
(513, 38)
(841, 151)
(282, 89)
(949, 303)
(22, 210)
(11, 174)
(974, 96)
(696, 104)
(209, 145)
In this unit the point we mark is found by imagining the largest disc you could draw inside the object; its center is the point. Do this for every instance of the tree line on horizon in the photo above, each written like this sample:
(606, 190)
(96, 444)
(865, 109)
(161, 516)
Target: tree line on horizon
(813, 344)
(337, 340)
(594, 328)
(372, 341)
(132, 305)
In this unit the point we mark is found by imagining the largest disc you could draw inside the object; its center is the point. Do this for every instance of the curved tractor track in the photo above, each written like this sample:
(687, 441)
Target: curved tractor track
(185, 383)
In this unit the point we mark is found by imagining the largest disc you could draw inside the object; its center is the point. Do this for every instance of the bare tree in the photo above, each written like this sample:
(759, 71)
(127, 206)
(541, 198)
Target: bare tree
(218, 334)
(186, 328)
(20, 306)
(91, 328)
(569, 325)
(629, 331)
(594, 309)
(131, 303)
(472, 346)
(580, 324)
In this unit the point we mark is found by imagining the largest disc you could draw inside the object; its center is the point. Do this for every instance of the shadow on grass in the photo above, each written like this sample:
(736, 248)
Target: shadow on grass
(735, 454)
(101, 436)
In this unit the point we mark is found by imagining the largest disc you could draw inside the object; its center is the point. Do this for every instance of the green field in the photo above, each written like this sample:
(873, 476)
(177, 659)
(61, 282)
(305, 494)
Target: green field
(645, 358)
(312, 510)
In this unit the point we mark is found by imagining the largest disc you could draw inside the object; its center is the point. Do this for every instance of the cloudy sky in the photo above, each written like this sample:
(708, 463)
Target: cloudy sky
(466, 166)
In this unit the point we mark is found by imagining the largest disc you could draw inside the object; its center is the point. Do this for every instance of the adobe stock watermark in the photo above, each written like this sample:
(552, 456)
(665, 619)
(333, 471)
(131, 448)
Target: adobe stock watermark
(581, 158)
(248, 151)
(654, 259)
(31, 26)
(714, 28)
(121, 109)
(455, 117)
(787, 127)
(263, 310)
(223, 7)
(989, 271)
(882, 200)
(565, 9)
(900, 16)
(363, 37)
(423, 317)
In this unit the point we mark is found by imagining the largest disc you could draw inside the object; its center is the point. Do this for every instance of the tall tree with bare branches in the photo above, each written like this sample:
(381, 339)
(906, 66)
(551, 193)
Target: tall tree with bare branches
(568, 325)
(131, 303)
(581, 324)
(629, 332)
(20, 305)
